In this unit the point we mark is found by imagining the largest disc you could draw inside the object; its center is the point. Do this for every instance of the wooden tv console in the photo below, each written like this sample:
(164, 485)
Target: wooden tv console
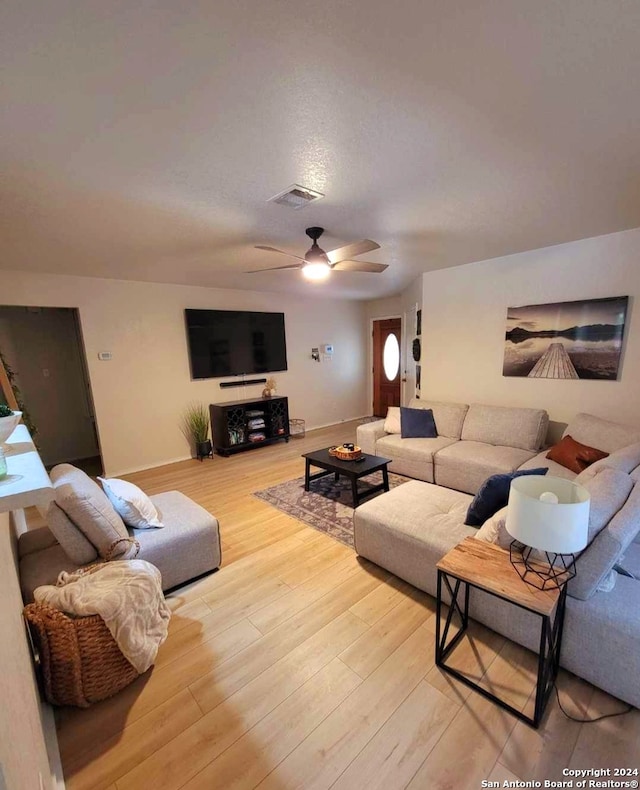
(236, 425)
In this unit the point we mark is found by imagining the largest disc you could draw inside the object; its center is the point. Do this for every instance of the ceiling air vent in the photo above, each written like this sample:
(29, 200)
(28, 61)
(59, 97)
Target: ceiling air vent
(296, 197)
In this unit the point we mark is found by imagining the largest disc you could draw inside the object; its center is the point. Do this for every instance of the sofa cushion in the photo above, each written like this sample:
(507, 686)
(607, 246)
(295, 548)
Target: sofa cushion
(507, 426)
(603, 434)
(449, 417)
(34, 540)
(392, 423)
(626, 460)
(74, 543)
(630, 560)
(609, 490)
(417, 423)
(408, 529)
(574, 455)
(494, 495)
(189, 544)
(555, 470)
(411, 457)
(466, 465)
(43, 567)
(394, 446)
(368, 434)
(88, 507)
(610, 542)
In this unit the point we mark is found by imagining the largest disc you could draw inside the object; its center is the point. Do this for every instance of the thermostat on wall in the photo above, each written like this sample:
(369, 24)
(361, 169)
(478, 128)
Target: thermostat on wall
(105, 356)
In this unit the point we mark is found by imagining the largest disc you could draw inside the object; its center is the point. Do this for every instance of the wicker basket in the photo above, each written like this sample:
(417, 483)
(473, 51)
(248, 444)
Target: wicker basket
(347, 455)
(79, 661)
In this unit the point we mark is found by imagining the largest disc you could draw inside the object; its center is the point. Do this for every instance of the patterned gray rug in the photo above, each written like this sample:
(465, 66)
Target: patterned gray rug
(328, 506)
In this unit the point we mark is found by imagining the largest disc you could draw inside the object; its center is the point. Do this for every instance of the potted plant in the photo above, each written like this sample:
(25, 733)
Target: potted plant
(195, 427)
(8, 421)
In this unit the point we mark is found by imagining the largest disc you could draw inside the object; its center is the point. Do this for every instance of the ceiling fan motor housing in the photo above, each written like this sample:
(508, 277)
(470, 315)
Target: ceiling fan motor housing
(314, 233)
(315, 254)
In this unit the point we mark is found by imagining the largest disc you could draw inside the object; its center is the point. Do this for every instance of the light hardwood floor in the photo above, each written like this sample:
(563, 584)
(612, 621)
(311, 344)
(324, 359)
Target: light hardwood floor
(298, 665)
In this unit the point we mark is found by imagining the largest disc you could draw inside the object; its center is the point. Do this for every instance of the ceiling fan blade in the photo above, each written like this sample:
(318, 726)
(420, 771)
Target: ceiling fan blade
(359, 266)
(282, 252)
(351, 250)
(276, 268)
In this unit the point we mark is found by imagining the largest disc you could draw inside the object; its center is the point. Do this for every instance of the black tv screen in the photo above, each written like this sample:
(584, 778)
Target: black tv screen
(234, 342)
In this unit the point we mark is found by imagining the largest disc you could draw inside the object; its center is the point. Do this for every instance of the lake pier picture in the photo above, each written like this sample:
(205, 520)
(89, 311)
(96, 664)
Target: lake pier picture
(566, 340)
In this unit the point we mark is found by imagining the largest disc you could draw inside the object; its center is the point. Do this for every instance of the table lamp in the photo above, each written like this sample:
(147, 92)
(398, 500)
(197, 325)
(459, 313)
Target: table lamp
(548, 517)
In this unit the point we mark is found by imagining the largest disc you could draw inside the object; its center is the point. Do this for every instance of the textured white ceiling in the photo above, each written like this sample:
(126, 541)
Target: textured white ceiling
(141, 139)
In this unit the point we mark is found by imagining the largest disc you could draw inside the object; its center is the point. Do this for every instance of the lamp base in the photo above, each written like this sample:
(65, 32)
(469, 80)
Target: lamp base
(550, 575)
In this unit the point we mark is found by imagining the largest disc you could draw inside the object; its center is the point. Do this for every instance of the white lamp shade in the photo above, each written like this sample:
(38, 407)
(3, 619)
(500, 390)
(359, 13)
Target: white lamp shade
(560, 528)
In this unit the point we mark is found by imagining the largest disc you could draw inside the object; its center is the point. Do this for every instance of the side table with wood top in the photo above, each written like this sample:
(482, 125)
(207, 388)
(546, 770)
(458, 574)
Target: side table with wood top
(484, 566)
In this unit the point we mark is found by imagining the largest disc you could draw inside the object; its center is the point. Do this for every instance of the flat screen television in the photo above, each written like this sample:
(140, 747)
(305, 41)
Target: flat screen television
(235, 342)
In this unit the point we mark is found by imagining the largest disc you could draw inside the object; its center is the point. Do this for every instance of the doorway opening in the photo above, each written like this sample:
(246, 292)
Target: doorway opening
(43, 346)
(387, 338)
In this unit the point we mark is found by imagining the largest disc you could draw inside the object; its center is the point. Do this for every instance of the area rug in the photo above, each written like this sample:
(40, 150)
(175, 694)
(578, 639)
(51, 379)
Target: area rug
(328, 507)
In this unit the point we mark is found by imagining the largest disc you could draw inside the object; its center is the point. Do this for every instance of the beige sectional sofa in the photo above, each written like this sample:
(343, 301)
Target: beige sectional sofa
(409, 529)
(473, 443)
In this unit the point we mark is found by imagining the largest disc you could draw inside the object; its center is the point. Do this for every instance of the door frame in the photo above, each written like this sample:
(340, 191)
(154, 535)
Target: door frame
(80, 349)
(410, 314)
(86, 375)
(370, 354)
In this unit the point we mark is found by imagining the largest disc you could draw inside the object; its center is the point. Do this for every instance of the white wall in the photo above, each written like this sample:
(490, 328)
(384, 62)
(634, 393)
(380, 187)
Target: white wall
(140, 394)
(26, 724)
(35, 342)
(464, 323)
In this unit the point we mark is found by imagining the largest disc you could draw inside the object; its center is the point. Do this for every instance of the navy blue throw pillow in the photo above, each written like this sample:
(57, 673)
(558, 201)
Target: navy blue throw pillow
(494, 495)
(417, 423)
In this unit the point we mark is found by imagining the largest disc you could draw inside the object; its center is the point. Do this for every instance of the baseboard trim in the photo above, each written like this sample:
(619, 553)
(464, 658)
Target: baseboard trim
(134, 469)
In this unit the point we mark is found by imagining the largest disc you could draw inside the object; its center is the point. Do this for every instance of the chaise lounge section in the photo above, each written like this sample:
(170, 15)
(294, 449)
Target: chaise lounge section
(187, 546)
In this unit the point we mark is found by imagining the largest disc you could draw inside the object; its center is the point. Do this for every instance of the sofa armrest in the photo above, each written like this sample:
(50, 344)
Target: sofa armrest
(368, 434)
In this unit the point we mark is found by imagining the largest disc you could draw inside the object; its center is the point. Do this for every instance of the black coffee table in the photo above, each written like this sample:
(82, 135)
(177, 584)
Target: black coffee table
(354, 470)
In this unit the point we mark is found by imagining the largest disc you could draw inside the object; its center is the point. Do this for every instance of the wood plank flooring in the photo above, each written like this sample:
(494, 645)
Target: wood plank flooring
(299, 665)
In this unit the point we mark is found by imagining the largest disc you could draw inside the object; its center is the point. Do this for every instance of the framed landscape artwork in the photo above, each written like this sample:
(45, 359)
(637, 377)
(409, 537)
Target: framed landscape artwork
(566, 340)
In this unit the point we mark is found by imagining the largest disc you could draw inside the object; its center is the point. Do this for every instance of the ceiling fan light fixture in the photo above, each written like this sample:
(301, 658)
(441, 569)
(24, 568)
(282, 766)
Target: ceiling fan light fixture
(316, 271)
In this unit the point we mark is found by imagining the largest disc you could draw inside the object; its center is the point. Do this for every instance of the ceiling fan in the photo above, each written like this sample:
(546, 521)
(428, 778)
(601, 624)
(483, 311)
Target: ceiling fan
(318, 264)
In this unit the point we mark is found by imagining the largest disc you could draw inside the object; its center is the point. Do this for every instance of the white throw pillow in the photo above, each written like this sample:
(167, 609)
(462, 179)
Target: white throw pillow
(133, 505)
(494, 530)
(392, 422)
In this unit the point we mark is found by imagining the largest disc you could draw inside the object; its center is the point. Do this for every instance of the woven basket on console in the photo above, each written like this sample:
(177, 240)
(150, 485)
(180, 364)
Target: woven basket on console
(80, 661)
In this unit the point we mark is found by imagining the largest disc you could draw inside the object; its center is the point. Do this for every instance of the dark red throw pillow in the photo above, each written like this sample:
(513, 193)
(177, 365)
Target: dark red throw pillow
(573, 455)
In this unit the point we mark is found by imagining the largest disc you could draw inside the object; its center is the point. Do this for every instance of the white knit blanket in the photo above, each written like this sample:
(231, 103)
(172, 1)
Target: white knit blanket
(127, 595)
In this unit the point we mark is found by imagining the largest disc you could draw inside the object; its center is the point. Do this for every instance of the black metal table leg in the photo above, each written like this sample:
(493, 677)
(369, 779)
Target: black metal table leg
(307, 468)
(548, 654)
(442, 648)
